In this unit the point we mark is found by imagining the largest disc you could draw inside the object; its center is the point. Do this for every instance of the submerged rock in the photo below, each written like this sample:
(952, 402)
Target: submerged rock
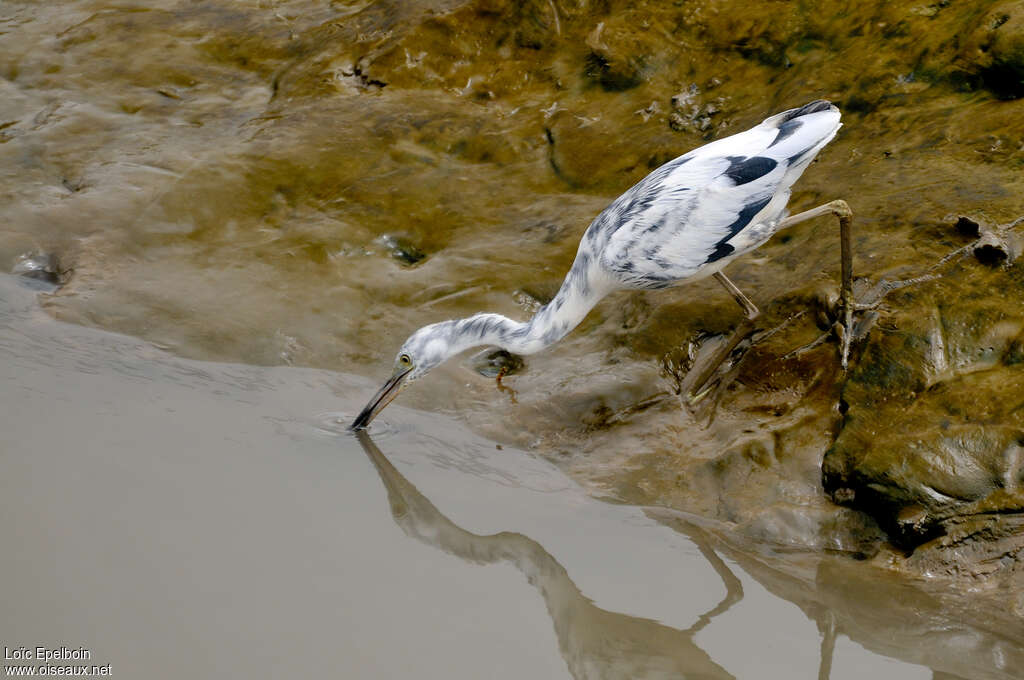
(40, 266)
(691, 114)
(402, 249)
(619, 55)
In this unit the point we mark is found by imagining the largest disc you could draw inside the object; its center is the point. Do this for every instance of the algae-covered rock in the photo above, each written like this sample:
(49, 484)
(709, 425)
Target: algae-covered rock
(996, 49)
(619, 55)
(932, 444)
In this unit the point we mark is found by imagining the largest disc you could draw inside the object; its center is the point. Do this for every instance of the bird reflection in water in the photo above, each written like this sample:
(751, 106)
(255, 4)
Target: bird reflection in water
(896, 619)
(594, 642)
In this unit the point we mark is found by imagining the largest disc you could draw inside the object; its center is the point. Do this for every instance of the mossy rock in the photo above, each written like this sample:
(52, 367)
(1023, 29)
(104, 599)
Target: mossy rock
(934, 430)
(995, 50)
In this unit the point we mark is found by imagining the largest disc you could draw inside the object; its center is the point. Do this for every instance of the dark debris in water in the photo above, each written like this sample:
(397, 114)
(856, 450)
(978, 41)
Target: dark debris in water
(361, 79)
(992, 246)
(993, 254)
(968, 227)
(692, 114)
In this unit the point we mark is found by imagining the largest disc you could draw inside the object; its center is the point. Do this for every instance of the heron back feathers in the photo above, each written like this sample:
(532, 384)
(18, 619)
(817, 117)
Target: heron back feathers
(715, 202)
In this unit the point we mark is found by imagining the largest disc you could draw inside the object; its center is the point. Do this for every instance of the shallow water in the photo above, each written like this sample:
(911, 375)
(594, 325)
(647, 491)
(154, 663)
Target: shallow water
(301, 183)
(186, 519)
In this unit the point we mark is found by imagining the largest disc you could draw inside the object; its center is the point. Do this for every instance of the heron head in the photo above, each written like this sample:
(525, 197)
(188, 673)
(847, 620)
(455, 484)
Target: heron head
(422, 351)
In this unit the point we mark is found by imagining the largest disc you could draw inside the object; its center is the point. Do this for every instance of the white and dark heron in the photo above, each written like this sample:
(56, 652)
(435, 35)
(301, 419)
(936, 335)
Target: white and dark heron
(686, 220)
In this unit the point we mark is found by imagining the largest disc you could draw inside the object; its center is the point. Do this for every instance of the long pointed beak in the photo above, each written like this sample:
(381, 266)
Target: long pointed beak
(390, 390)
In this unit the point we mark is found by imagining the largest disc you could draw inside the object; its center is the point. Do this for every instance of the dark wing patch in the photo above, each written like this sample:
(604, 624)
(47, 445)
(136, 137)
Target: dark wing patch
(742, 220)
(742, 170)
(795, 158)
(786, 130)
(722, 249)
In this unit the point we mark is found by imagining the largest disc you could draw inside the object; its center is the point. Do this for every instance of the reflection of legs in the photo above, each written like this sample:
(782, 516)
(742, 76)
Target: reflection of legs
(723, 352)
(733, 586)
(828, 647)
(842, 211)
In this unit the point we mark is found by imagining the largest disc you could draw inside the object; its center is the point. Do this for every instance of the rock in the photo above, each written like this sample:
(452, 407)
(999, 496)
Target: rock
(932, 443)
(980, 544)
(40, 266)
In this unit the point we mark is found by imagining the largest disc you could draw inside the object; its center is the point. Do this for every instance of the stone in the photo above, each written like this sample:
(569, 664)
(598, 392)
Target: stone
(932, 443)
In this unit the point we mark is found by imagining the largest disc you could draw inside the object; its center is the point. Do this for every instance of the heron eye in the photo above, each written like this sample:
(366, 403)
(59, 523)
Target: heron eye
(405, 360)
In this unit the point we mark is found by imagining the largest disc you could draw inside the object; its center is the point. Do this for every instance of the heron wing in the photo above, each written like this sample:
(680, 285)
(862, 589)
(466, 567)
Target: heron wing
(702, 206)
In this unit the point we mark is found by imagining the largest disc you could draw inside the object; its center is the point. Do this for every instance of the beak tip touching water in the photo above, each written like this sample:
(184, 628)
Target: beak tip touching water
(383, 397)
(370, 412)
(360, 423)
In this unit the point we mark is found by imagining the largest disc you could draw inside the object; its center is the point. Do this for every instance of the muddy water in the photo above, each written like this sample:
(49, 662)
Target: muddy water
(303, 183)
(187, 519)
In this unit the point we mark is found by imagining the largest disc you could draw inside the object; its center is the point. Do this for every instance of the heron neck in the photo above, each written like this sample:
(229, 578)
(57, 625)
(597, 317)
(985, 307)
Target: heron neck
(582, 289)
(579, 293)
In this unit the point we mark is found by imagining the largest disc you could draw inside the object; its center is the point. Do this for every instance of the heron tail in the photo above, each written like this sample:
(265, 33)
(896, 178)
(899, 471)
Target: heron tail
(786, 116)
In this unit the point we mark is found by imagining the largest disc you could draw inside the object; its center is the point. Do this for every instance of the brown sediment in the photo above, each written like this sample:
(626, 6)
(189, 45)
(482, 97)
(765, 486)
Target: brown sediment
(309, 184)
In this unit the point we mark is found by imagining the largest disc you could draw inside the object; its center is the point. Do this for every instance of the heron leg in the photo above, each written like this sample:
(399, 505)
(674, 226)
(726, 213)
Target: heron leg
(749, 307)
(722, 353)
(842, 211)
(843, 330)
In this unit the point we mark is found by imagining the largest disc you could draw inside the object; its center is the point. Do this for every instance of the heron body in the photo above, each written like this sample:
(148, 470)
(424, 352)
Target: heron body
(686, 220)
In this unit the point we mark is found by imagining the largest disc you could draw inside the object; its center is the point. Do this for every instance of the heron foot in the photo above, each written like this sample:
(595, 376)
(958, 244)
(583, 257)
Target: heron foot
(699, 386)
(695, 398)
(700, 380)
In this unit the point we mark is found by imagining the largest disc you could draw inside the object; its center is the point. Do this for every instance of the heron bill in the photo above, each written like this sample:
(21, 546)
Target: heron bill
(388, 392)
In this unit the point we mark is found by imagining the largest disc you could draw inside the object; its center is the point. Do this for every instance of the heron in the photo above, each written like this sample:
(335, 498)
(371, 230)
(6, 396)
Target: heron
(685, 221)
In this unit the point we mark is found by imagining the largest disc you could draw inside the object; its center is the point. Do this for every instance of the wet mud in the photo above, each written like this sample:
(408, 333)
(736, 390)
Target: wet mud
(305, 183)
